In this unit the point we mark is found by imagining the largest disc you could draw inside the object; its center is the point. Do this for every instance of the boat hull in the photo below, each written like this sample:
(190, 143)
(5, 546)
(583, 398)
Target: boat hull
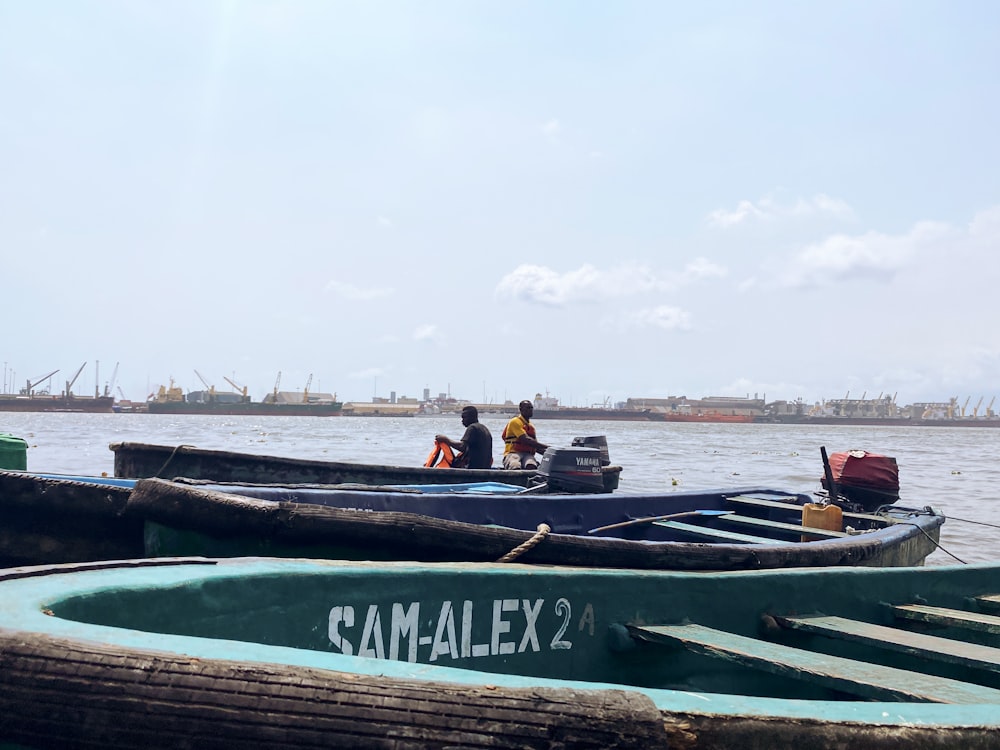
(78, 404)
(257, 652)
(245, 409)
(141, 460)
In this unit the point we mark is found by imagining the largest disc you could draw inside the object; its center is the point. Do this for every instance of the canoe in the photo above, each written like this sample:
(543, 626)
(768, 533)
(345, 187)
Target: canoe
(706, 530)
(52, 519)
(310, 653)
(141, 460)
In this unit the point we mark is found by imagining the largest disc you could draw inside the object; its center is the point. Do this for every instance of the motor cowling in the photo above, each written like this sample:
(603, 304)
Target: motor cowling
(573, 470)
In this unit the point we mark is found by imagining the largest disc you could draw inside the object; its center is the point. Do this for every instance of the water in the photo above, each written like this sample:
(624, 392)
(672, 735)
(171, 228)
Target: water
(954, 470)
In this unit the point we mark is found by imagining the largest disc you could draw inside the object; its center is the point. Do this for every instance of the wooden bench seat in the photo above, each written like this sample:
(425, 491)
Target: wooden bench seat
(925, 646)
(796, 508)
(952, 617)
(989, 603)
(763, 523)
(718, 535)
(870, 681)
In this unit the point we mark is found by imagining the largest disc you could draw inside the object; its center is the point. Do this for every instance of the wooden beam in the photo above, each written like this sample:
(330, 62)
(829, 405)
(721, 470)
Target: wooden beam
(715, 534)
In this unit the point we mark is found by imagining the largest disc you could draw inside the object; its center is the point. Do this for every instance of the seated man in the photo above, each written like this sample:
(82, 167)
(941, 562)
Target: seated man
(520, 445)
(476, 446)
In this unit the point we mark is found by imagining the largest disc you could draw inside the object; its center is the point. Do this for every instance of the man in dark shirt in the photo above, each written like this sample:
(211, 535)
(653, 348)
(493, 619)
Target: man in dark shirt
(476, 446)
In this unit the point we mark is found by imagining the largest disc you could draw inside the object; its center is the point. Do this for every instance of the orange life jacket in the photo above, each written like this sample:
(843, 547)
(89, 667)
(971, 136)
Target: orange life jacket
(441, 457)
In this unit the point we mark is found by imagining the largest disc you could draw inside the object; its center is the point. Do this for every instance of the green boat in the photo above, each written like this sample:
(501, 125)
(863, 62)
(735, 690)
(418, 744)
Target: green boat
(313, 653)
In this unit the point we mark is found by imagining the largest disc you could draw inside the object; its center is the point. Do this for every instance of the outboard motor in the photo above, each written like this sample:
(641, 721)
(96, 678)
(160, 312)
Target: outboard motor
(575, 470)
(595, 441)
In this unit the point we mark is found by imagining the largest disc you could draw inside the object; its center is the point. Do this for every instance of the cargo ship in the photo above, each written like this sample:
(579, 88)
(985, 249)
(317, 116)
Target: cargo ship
(172, 400)
(34, 397)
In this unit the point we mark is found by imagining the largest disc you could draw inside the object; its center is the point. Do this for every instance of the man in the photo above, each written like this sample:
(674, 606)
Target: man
(520, 444)
(476, 446)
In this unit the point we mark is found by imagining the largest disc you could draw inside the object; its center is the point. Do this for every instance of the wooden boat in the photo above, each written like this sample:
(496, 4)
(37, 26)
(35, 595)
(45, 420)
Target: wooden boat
(52, 519)
(141, 460)
(310, 653)
(708, 530)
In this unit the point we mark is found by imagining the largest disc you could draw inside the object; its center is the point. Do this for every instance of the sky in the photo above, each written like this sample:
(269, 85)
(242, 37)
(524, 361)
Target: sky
(490, 200)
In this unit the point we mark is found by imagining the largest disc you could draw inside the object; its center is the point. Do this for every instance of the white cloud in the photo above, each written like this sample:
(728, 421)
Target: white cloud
(551, 129)
(872, 255)
(349, 291)
(663, 316)
(544, 286)
(427, 332)
(769, 209)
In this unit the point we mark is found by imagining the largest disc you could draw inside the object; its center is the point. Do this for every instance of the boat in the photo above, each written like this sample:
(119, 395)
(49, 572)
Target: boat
(143, 460)
(53, 519)
(310, 653)
(172, 400)
(703, 417)
(35, 397)
(747, 528)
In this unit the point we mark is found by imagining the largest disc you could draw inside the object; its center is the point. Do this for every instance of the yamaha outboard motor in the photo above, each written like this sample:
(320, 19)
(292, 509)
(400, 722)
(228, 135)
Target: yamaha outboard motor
(574, 470)
(595, 441)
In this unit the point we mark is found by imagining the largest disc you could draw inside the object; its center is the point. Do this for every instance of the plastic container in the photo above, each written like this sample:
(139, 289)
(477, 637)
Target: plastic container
(826, 517)
(13, 452)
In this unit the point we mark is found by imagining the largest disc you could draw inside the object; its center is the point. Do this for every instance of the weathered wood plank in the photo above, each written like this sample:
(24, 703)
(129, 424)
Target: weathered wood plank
(952, 617)
(989, 603)
(717, 534)
(846, 675)
(795, 508)
(763, 523)
(946, 650)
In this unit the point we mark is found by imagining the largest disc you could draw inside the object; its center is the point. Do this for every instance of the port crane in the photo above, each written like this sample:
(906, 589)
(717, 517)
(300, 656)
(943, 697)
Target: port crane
(975, 409)
(242, 389)
(305, 393)
(209, 388)
(69, 383)
(30, 387)
(277, 382)
(110, 385)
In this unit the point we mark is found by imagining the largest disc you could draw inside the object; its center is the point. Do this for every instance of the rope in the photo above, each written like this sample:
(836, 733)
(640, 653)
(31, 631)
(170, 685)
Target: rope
(932, 541)
(536, 539)
(170, 458)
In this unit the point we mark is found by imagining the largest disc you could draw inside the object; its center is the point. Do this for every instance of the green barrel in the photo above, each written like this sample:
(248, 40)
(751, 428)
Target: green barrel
(13, 452)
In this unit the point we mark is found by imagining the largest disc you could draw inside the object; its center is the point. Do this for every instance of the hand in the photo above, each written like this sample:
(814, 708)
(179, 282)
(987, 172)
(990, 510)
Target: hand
(442, 439)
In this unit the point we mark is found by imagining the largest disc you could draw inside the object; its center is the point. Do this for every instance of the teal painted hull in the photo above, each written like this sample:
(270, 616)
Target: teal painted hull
(445, 638)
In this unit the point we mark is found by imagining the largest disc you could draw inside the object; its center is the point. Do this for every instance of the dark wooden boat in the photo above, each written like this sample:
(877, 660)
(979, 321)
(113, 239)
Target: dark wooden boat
(141, 460)
(707, 530)
(319, 653)
(52, 519)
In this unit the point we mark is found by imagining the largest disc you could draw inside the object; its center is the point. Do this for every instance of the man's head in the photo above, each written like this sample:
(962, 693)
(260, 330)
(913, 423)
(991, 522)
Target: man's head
(526, 408)
(470, 415)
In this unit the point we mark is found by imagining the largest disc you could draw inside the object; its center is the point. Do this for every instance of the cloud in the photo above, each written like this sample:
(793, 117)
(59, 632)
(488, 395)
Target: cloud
(768, 209)
(551, 129)
(663, 316)
(351, 292)
(874, 256)
(428, 332)
(384, 221)
(543, 286)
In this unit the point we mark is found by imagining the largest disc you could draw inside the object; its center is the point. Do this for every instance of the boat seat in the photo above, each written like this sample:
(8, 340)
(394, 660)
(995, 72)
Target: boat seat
(796, 508)
(763, 523)
(872, 681)
(951, 617)
(989, 602)
(717, 535)
(925, 646)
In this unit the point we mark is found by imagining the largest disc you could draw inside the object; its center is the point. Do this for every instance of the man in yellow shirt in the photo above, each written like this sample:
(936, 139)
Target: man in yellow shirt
(519, 442)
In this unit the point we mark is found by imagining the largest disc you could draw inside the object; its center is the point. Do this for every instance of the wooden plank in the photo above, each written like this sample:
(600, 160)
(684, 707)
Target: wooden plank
(871, 681)
(778, 526)
(989, 603)
(952, 617)
(715, 534)
(947, 650)
(795, 508)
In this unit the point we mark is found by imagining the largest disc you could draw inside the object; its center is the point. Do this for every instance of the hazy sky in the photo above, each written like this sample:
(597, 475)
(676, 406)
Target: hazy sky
(495, 199)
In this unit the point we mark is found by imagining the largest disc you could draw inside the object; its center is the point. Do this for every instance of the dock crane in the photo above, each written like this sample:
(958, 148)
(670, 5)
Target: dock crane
(241, 388)
(277, 382)
(975, 409)
(209, 388)
(965, 404)
(69, 383)
(305, 393)
(109, 387)
(29, 388)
